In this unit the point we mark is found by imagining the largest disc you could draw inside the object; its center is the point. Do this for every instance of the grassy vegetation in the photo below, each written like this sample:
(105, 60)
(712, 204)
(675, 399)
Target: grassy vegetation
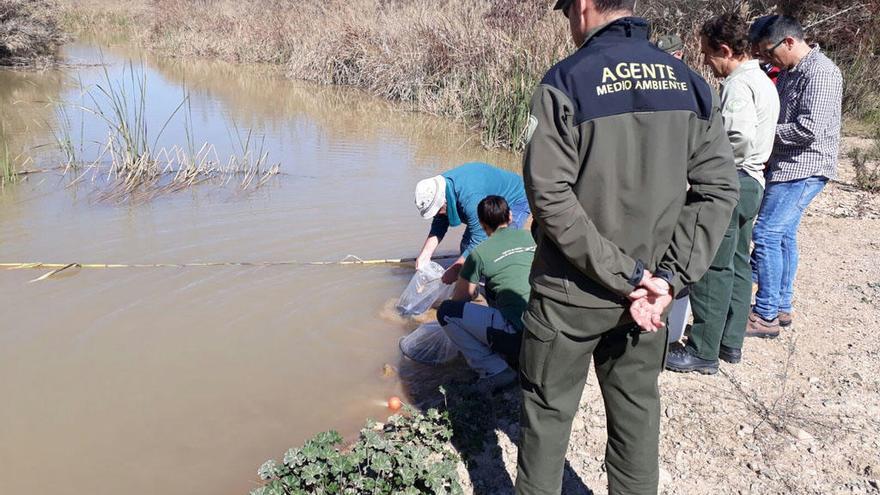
(29, 31)
(132, 162)
(474, 60)
(105, 18)
(7, 170)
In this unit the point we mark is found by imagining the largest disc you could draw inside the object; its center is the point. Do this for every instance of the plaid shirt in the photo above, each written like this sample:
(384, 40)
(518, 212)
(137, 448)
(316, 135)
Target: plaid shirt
(808, 132)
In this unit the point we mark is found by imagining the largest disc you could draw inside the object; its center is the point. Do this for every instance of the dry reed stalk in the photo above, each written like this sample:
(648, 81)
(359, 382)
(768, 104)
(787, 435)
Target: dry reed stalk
(475, 60)
(29, 31)
(132, 165)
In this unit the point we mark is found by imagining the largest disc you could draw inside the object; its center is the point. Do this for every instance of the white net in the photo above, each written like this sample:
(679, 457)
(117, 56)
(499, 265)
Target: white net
(428, 344)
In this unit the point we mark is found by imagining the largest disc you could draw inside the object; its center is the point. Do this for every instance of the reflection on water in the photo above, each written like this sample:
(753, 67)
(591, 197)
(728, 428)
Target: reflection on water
(180, 381)
(26, 111)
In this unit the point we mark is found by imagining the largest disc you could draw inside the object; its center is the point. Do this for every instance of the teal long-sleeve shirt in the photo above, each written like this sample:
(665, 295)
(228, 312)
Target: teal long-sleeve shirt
(466, 186)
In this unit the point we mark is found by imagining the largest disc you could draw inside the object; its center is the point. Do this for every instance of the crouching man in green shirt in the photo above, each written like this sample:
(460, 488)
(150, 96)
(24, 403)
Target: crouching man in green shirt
(489, 337)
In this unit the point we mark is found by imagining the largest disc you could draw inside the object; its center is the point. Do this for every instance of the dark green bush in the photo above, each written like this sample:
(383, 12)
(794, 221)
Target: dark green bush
(409, 455)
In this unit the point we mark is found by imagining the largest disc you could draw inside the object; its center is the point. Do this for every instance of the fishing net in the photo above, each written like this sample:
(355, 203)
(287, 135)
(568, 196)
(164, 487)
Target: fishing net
(424, 290)
(428, 344)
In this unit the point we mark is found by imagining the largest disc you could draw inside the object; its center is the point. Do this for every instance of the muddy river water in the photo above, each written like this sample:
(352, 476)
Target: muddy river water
(184, 380)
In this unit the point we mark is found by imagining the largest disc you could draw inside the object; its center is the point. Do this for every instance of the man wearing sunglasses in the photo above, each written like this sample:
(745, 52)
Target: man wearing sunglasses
(804, 158)
(616, 131)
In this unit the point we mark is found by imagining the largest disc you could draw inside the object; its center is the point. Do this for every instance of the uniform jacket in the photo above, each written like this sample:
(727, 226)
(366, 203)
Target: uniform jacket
(617, 131)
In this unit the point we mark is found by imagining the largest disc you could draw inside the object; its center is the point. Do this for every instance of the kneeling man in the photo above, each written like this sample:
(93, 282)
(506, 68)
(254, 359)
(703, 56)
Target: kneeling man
(489, 337)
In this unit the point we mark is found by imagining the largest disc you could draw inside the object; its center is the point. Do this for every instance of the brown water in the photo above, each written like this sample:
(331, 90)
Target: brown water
(181, 381)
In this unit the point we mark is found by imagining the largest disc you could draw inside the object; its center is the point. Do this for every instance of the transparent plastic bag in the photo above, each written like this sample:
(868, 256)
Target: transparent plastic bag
(428, 344)
(424, 290)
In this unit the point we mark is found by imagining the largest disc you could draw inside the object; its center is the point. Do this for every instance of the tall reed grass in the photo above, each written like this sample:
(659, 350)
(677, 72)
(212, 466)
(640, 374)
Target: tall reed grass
(7, 170)
(131, 162)
(474, 60)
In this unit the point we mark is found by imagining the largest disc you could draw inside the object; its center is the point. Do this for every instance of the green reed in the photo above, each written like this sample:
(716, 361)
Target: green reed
(7, 168)
(138, 168)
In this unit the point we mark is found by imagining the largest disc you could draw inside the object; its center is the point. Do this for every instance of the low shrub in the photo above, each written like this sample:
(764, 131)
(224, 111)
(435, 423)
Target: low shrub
(866, 162)
(409, 455)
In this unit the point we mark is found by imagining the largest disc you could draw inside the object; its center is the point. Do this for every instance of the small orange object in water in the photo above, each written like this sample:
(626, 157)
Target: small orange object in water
(394, 403)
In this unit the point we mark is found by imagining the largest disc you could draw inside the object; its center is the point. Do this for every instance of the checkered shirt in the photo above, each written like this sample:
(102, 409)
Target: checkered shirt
(808, 132)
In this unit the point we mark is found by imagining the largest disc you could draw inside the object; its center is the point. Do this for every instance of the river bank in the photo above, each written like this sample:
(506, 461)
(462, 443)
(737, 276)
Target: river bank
(30, 33)
(475, 61)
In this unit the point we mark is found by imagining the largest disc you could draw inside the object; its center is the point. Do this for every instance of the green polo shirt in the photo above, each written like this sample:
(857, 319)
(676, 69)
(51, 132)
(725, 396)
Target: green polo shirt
(504, 259)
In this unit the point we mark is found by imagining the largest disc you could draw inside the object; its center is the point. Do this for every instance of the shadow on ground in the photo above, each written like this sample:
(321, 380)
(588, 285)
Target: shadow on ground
(478, 421)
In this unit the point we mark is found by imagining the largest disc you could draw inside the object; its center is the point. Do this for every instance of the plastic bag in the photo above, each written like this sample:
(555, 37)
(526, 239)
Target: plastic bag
(424, 290)
(428, 344)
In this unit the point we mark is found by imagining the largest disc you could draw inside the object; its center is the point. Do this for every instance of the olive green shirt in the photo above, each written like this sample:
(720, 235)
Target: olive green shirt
(504, 259)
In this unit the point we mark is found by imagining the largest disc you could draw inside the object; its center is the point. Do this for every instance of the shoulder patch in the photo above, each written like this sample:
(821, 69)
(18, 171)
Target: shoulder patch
(531, 126)
(736, 104)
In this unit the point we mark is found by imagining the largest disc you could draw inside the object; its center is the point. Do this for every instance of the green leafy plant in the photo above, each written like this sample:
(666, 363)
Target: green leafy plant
(409, 454)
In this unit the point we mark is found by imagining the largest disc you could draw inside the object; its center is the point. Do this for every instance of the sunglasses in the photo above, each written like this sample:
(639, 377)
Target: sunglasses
(769, 52)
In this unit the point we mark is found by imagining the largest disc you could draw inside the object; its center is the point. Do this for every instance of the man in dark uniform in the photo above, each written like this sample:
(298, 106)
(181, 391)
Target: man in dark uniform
(616, 132)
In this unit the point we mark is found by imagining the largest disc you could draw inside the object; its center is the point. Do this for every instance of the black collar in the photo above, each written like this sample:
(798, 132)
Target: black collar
(625, 27)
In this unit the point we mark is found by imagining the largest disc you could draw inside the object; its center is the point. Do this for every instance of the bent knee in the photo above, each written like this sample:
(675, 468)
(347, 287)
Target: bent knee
(450, 309)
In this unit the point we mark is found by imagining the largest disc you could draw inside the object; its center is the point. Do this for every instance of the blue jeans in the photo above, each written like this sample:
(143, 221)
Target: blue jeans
(487, 340)
(776, 254)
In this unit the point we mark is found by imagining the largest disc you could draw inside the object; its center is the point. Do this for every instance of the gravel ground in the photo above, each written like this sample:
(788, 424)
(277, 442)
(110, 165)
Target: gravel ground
(800, 414)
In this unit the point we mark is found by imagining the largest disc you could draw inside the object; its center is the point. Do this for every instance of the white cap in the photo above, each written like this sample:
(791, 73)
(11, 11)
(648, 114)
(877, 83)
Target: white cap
(431, 195)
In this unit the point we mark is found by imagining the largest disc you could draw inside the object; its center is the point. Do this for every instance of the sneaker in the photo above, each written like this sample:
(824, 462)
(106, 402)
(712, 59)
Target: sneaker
(729, 354)
(761, 328)
(784, 319)
(682, 361)
(498, 381)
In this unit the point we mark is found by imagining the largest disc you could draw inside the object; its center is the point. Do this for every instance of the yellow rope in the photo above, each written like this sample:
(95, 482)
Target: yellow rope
(348, 260)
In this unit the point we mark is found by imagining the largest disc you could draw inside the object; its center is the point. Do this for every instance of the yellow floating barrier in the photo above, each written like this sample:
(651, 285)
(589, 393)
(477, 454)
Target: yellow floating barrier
(58, 268)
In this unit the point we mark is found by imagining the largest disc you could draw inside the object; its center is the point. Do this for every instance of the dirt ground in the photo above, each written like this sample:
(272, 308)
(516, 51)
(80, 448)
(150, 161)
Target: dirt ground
(800, 414)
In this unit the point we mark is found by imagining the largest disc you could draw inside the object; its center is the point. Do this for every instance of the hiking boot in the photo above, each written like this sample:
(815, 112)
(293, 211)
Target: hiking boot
(784, 319)
(682, 361)
(761, 328)
(494, 383)
(729, 354)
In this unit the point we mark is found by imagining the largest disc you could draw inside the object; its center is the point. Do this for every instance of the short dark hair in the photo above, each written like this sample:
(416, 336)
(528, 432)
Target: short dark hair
(757, 25)
(776, 28)
(493, 211)
(727, 29)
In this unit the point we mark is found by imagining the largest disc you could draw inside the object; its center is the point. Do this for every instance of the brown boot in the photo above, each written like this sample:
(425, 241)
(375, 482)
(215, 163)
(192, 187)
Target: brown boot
(759, 327)
(784, 319)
